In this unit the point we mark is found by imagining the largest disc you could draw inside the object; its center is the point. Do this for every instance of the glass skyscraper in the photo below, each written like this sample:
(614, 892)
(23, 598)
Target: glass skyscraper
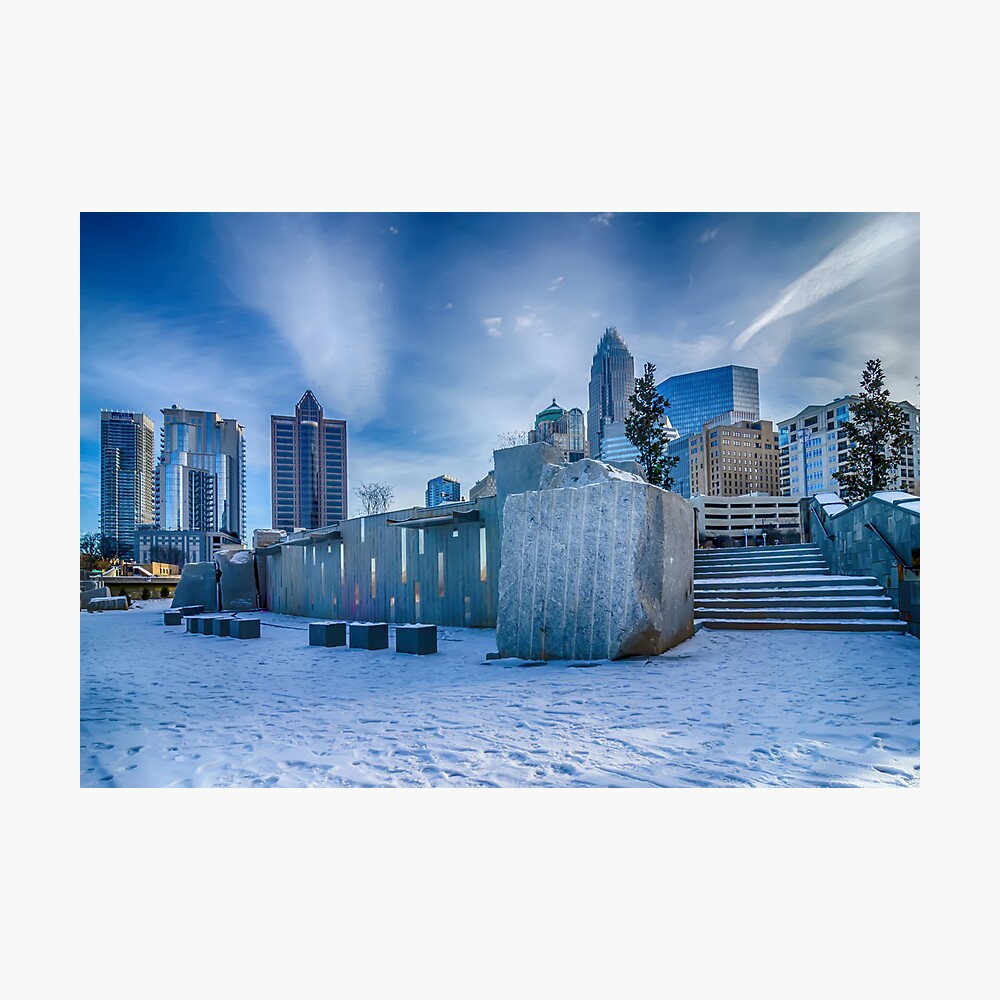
(612, 382)
(725, 395)
(128, 492)
(201, 475)
(308, 467)
(442, 489)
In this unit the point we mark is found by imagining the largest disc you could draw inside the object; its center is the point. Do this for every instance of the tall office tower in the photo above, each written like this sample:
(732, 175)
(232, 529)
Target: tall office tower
(563, 429)
(128, 492)
(442, 489)
(612, 382)
(308, 468)
(202, 473)
(813, 446)
(714, 396)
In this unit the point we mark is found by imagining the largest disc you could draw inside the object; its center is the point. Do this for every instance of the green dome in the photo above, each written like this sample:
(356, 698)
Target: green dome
(553, 413)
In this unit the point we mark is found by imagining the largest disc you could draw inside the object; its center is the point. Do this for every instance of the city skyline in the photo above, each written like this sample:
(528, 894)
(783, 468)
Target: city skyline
(432, 334)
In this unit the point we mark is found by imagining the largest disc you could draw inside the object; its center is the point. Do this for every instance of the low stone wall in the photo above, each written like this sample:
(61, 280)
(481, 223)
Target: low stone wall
(853, 549)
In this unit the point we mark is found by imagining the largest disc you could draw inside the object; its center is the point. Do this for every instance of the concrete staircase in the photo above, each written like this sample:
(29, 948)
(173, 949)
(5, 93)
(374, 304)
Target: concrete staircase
(785, 586)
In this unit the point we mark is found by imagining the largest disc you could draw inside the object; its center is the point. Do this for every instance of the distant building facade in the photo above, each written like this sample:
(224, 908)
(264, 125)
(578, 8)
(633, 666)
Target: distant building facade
(564, 429)
(128, 480)
(612, 383)
(486, 487)
(442, 489)
(723, 395)
(179, 547)
(813, 445)
(201, 474)
(734, 459)
(308, 467)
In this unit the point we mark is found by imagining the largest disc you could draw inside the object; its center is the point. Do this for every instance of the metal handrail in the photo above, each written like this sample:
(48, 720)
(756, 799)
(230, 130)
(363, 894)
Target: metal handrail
(888, 545)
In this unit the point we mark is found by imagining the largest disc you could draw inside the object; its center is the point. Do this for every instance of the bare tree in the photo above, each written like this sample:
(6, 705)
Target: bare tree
(511, 439)
(376, 498)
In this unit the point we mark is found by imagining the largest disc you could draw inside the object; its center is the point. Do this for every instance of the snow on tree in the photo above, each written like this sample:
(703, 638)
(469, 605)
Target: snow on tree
(645, 431)
(878, 437)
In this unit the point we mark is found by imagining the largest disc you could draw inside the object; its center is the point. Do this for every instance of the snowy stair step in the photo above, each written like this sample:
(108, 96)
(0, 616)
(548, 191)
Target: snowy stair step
(874, 614)
(810, 624)
(768, 582)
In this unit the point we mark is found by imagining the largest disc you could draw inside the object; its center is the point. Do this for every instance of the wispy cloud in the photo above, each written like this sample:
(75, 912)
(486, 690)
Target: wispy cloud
(556, 282)
(392, 231)
(843, 266)
(492, 325)
(709, 234)
(321, 298)
(603, 218)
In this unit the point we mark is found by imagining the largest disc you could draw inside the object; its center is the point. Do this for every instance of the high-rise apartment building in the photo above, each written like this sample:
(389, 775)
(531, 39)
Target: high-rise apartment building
(563, 429)
(612, 383)
(201, 475)
(128, 490)
(442, 489)
(730, 460)
(814, 445)
(723, 395)
(308, 467)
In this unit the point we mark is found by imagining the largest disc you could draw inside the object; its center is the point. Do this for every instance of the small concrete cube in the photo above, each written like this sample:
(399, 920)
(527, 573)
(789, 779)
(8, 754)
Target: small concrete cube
(369, 635)
(327, 634)
(244, 628)
(200, 624)
(416, 639)
(220, 625)
(173, 617)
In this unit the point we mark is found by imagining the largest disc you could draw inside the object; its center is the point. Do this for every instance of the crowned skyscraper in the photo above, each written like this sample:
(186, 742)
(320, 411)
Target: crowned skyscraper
(308, 467)
(612, 382)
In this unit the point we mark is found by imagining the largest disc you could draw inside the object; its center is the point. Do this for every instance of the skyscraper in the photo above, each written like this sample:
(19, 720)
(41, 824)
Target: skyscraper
(728, 395)
(442, 489)
(308, 467)
(201, 475)
(612, 382)
(128, 492)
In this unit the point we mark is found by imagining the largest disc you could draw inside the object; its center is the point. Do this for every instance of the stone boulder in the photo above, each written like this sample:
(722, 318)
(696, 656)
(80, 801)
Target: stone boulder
(196, 586)
(239, 585)
(601, 570)
(86, 596)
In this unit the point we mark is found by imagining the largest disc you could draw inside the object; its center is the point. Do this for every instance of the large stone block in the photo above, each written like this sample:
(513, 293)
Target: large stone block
(604, 570)
(196, 586)
(327, 634)
(244, 628)
(369, 635)
(238, 583)
(417, 639)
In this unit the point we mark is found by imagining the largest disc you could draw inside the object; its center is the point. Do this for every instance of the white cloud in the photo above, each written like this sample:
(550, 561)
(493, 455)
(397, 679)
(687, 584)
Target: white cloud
(393, 231)
(556, 282)
(603, 218)
(492, 325)
(846, 264)
(709, 234)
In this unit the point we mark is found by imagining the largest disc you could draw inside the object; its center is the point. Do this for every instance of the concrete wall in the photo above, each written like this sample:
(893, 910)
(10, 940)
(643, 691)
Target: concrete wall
(852, 549)
(446, 581)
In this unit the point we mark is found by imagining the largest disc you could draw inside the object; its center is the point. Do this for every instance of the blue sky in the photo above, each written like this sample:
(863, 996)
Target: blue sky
(432, 334)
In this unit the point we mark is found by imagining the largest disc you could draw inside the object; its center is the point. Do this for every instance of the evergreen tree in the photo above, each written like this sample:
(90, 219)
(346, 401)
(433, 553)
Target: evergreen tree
(644, 429)
(878, 436)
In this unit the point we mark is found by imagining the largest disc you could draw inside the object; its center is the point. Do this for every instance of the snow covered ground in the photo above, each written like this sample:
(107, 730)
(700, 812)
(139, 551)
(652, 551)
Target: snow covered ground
(162, 707)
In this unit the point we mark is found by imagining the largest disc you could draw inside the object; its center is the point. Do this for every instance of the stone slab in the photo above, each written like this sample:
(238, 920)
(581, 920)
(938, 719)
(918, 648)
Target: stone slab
(86, 596)
(244, 628)
(197, 586)
(327, 634)
(419, 639)
(108, 604)
(237, 581)
(369, 635)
